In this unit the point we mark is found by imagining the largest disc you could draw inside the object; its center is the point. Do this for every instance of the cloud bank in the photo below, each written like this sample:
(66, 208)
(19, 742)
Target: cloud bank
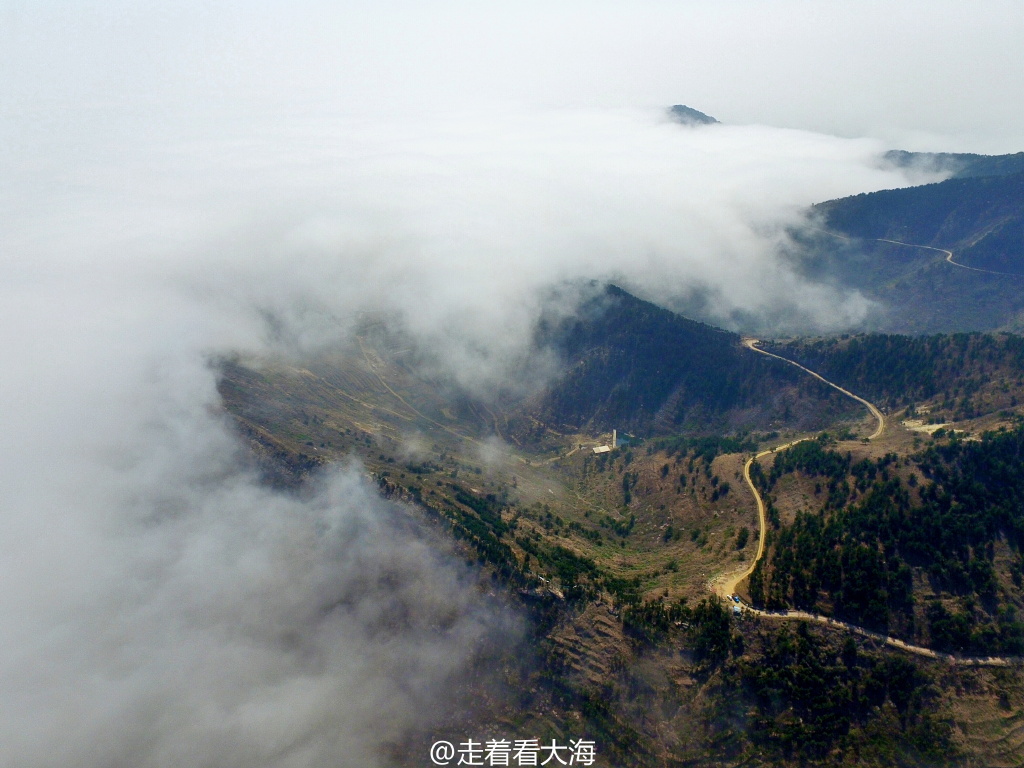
(161, 607)
(458, 223)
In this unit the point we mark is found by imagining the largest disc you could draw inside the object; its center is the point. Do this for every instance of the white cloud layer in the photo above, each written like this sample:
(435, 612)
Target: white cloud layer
(459, 223)
(161, 607)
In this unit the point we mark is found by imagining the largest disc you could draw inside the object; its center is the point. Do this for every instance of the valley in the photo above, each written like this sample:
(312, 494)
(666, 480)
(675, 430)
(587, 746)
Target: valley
(613, 553)
(692, 521)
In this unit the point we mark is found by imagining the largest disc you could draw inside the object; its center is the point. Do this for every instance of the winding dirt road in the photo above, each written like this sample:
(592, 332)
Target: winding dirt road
(752, 344)
(893, 642)
(949, 257)
(725, 585)
(949, 254)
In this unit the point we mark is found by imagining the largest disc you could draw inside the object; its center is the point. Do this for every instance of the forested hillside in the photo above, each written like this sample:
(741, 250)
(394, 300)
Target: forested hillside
(632, 365)
(961, 165)
(969, 373)
(927, 547)
(608, 556)
(981, 219)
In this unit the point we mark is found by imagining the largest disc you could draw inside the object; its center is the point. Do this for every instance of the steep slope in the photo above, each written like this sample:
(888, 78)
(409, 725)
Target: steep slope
(938, 258)
(964, 374)
(980, 219)
(926, 547)
(690, 116)
(921, 536)
(629, 364)
(960, 165)
(607, 555)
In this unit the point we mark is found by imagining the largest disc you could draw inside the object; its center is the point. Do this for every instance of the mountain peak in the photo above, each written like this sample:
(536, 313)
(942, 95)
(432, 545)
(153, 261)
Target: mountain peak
(690, 116)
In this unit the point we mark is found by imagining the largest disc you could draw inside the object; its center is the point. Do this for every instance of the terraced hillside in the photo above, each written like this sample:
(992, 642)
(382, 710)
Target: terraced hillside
(607, 556)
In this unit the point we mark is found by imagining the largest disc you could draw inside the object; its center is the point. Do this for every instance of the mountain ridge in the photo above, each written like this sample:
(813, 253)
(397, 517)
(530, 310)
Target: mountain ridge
(690, 116)
(960, 165)
(633, 365)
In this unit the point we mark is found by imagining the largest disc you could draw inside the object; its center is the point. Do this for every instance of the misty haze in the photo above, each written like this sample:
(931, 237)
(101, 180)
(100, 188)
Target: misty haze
(642, 382)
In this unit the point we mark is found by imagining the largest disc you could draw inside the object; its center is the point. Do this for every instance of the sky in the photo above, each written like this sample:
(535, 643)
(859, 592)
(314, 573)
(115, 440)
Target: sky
(173, 177)
(920, 75)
